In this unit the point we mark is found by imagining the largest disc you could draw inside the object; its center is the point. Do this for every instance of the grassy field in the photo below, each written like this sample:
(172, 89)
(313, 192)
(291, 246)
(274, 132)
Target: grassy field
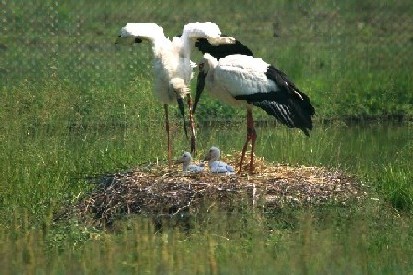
(351, 60)
(74, 105)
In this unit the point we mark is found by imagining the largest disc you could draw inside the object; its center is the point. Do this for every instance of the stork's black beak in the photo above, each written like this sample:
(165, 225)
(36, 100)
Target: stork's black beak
(207, 157)
(128, 40)
(182, 110)
(200, 85)
(178, 161)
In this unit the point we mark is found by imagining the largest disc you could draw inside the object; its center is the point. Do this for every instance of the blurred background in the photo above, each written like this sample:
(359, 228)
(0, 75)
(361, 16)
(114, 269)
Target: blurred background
(352, 58)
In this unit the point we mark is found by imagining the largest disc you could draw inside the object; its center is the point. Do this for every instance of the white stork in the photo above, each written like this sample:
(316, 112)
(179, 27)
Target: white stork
(242, 80)
(215, 165)
(172, 64)
(187, 166)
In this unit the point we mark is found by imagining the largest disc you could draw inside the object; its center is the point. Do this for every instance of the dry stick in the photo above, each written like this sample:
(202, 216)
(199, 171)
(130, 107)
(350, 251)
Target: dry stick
(169, 137)
(189, 203)
(192, 126)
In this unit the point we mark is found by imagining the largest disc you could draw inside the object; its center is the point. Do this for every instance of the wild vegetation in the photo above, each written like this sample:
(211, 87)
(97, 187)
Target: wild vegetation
(75, 106)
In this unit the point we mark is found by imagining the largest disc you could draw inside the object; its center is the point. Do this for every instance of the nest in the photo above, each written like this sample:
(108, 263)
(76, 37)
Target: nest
(155, 190)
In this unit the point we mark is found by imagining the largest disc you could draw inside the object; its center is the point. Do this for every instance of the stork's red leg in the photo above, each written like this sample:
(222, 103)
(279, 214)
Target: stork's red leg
(251, 135)
(192, 126)
(165, 106)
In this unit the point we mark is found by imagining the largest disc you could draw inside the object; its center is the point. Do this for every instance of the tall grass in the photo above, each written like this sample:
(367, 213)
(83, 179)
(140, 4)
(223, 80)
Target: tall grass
(395, 178)
(326, 241)
(378, 153)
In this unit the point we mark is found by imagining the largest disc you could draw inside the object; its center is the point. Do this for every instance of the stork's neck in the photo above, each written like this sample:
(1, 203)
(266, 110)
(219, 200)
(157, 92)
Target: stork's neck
(187, 46)
(212, 62)
(212, 162)
(185, 166)
(214, 157)
(160, 45)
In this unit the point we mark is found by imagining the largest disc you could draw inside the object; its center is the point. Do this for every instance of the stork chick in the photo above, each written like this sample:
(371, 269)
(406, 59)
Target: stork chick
(215, 165)
(187, 166)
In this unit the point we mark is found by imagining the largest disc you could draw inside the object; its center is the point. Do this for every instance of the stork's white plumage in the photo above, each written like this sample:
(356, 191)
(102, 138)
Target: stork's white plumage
(172, 64)
(169, 63)
(215, 165)
(187, 166)
(242, 80)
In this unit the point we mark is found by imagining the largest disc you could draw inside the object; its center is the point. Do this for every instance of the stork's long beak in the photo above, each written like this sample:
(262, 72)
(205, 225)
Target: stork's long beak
(221, 40)
(182, 109)
(200, 85)
(129, 40)
(207, 157)
(178, 161)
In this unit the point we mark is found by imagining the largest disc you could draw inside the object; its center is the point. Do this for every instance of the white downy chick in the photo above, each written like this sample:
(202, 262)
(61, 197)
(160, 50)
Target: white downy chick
(215, 165)
(187, 166)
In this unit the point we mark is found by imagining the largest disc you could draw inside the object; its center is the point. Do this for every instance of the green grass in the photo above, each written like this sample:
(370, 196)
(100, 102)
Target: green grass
(74, 106)
(48, 170)
(312, 241)
(350, 62)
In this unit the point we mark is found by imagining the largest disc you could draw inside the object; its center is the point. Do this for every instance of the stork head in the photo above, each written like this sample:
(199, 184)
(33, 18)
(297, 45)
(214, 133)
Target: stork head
(137, 32)
(221, 40)
(207, 63)
(204, 29)
(185, 158)
(213, 154)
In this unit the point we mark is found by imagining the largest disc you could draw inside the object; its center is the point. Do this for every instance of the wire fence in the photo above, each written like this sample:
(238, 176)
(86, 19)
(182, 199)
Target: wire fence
(74, 40)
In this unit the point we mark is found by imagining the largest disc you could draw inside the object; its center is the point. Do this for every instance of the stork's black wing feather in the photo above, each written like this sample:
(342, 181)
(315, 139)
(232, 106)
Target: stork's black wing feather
(288, 105)
(222, 50)
(289, 89)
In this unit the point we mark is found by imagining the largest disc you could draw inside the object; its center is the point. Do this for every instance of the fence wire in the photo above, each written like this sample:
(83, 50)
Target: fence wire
(74, 40)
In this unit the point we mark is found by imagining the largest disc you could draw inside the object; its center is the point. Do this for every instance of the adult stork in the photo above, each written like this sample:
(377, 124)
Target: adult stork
(242, 80)
(172, 64)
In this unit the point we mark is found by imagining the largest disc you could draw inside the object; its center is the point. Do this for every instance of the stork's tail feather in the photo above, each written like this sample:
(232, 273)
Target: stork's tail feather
(288, 105)
(297, 103)
(289, 113)
(303, 110)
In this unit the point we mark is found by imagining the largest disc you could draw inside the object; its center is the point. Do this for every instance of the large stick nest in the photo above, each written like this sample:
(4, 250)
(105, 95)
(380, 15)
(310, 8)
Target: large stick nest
(154, 189)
